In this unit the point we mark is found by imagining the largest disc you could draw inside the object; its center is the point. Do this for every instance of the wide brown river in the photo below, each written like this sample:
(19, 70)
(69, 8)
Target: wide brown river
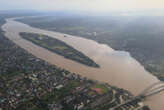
(118, 68)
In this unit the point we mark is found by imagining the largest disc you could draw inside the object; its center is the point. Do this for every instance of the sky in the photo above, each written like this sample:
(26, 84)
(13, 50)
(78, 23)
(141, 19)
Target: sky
(83, 5)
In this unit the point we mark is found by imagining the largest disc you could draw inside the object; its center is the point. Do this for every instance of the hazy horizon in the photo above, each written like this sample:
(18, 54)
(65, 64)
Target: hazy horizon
(82, 5)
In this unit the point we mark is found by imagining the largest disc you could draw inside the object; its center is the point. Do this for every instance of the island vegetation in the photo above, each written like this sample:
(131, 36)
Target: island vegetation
(59, 48)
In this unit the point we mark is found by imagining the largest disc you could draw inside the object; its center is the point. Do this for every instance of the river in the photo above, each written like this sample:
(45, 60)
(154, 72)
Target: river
(118, 68)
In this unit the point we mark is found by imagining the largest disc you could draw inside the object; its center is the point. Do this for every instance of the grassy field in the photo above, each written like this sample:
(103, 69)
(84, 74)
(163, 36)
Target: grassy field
(101, 88)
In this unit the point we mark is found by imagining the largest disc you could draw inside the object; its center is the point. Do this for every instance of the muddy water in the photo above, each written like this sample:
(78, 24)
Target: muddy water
(118, 68)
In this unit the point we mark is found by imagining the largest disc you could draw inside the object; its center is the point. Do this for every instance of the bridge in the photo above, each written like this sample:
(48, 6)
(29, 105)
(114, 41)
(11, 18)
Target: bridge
(148, 92)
